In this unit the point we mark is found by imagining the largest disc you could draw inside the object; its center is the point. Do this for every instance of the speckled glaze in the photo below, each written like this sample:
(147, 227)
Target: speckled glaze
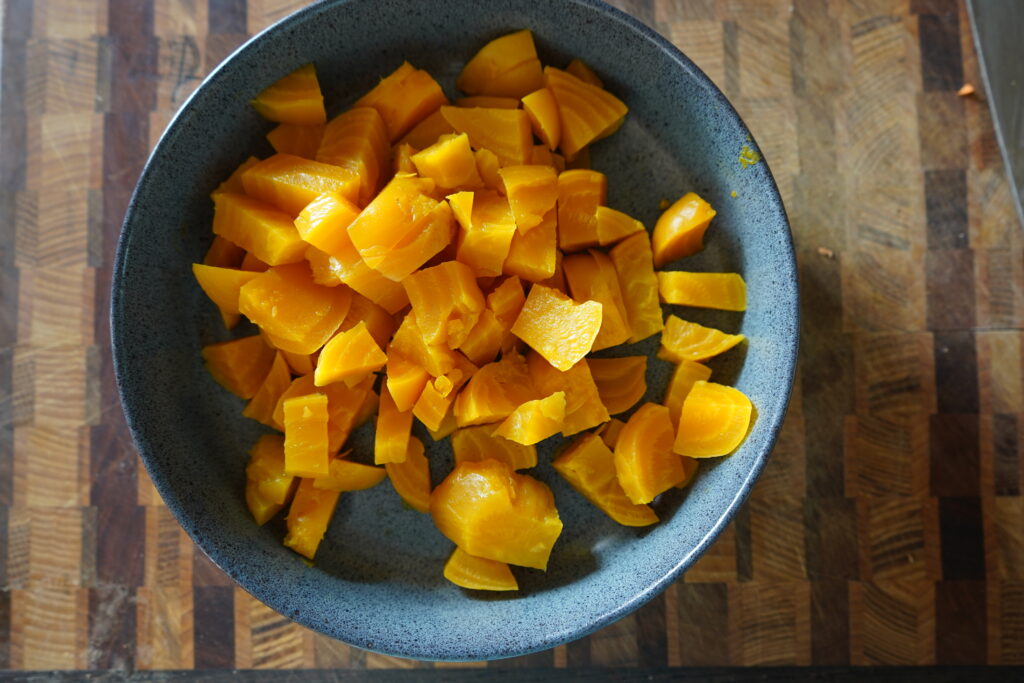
(377, 582)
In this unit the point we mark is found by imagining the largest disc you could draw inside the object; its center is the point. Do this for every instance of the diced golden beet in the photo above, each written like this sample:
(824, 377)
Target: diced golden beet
(613, 226)
(690, 466)
(490, 511)
(345, 406)
(296, 98)
(447, 302)
(644, 460)
(405, 380)
(391, 438)
(436, 402)
(308, 517)
(483, 242)
(253, 264)
(495, 391)
(621, 382)
(404, 98)
(507, 300)
(557, 279)
(349, 357)
(632, 260)
(296, 139)
(306, 451)
(324, 222)
(368, 408)
(223, 253)
(299, 314)
(488, 101)
(436, 359)
(583, 406)
(449, 163)
(257, 227)
(589, 467)
(477, 573)
(261, 407)
(401, 160)
(485, 339)
(588, 113)
(487, 165)
(222, 286)
(427, 131)
(609, 432)
(534, 421)
(534, 256)
(591, 277)
(379, 323)
(506, 132)
(542, 110)
(448, 424)
(396, 218)
(345, 475)
(300, 363)
(290, 183)
(557, 327)
(268, 488)
(411, 477)
(241, 365)
(532, 192)
(713, 422)
(683, 340)
(726, 291)
(357, 140)
(507, 67)
(580, 70)
(580, 192)
(542, 156)
(434, 235)
(680, 229)
(233, 183)
(348, 267)
(479, 443)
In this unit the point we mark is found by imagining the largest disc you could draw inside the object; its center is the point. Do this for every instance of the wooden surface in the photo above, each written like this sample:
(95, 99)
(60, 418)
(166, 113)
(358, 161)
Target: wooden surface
(888, 527)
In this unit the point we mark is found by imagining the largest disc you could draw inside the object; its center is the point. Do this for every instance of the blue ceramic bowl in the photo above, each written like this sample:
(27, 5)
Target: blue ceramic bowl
(377, 581)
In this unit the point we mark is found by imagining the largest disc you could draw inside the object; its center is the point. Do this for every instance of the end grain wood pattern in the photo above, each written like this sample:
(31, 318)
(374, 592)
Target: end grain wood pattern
(888, 527)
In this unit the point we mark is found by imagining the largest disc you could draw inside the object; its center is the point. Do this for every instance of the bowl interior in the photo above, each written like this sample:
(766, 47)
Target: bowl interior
(377, 580)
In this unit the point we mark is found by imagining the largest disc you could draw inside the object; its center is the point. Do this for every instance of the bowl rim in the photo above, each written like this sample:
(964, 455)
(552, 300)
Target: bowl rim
(546, 641)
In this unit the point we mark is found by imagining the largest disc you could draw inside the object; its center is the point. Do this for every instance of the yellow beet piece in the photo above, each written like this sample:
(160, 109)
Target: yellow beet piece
(411, 477)
(557, 327)
(506, 67)
(480, 443)
(447, 302)
(486, 230)
(449, 163)
(391, 439)
(591, 276)
(489, 101)
(507, 300)
(588, 113)
(433, 235)
(683, 340)
(580, 70)
(477, 573)
(506, 132)
(345, 475)
(589, 467)
(296, 139)
(379, 323)
(290, 183)
(632, 260)
(347, 266)
(713, 422)
(495, 391)
(580, 193)
(583, 406)
(261, 407)
(534, 256)
(324, 222)
(349, 357)
(223, 254)
(644, 460)
(300, 363)
(542, 110)
(268, 488)
(401, 160)
(621, 382)
(485, 339)
(259, 228)
(404, 98)
(253, 264)
(532, 192)
(222, 286)
(241, 365)
(435, 406)
(345, 406)
(427, 131)
(436, 359)
(535, 420)
(405, 380)
(613, 226)
(296, 98)
(686, 374)
(308, 517)
(680, 229)
(725, 291)
(357, 140)
(610, 431)
(233, 184)
(490, 511)
(305, 435)
(299, 314)
(487, 165)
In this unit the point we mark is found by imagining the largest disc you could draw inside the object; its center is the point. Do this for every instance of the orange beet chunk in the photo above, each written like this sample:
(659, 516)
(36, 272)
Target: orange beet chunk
(404, 98)
(506, 67)
(290, 182)
(644, 460)
(489, 101)
(492, 512)
(253, 264)
(683, 340)
(486, 229)
(506, 132)
(427, 131)
(261, 407)
(580, 70)
(557, 327)
(583, 406)
(436, 359)
(296, 98)
(295, 139)
(477, 573)
(507, 300)
(542, 110)
(222, 286)
(535, 420)
(411, 477)
(345, 406)
(435, 406)
(591, 276)
(257, 227)
(306, 451)
(479, 443)
(379, 323)
(532, 192)
(621, 382)
(223, 253)
(447, 302)
(588, 113)
(405, 380)
(324, 222)
(680, 229)
(485, 339)
(345, 475)
(725, 291)
(233, 184)
(714, 420)
(632, 260)
(241, 365)
(357, 140)
(449, 163)
(613, 226)
(391, 439)
(580, 192)
(610, 431)
(299, 314)
(349, 357)
(347, 266)
(534, 256)
(495, 391)
(308, 517)
(268, 488)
